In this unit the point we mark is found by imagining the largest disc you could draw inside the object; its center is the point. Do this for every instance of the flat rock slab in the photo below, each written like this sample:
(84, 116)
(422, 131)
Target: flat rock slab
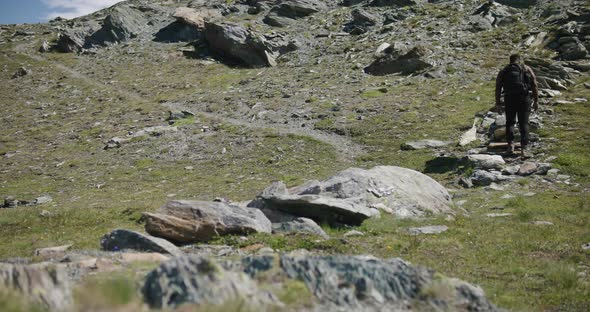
(323, 209)
(423, 144)
(498, 215)
(52, 253)
(541, 223)
(185, 221)
(120, 239)
(431, 229)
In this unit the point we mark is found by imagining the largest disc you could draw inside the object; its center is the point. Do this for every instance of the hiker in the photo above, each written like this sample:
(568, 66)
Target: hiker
(517, 81)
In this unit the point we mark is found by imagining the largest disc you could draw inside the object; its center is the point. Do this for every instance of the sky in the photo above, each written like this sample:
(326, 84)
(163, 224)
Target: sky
(35, 11)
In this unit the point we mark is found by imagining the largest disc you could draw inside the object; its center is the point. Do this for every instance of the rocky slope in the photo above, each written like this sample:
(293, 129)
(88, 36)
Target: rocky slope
(197, 106)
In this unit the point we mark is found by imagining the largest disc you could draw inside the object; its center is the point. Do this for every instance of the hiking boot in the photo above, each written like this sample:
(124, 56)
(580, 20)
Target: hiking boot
(524, 153)
(510, 149)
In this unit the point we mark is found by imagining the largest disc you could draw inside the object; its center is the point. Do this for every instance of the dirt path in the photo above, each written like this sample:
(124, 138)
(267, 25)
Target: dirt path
(346, 149)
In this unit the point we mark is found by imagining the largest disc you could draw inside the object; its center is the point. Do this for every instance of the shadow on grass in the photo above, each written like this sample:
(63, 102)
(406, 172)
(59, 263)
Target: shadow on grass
(442, 165)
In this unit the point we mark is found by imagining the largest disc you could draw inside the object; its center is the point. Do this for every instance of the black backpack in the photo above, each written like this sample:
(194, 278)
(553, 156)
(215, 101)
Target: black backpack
(515, 80)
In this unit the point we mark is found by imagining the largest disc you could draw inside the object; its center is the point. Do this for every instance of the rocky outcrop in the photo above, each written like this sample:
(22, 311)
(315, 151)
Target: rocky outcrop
(491, 14)
(415, 61)
(189, 25)
(518, 3)
(287, 11)
(338, 283)
(237, 44)
(199, 280)
(183, 221)
(119, 240)
(46, 284)
(350, 195)
(122, 24)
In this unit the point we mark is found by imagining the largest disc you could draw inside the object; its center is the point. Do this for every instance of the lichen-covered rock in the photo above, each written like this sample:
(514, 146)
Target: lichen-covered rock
(120, 239)
(47, 284)
(197, 280)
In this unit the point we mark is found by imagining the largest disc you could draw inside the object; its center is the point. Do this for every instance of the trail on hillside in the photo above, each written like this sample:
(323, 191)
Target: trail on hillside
(343, 145)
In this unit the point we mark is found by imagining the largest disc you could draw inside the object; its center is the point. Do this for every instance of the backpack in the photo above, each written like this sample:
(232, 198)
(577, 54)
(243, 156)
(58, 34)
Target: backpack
(515, 80)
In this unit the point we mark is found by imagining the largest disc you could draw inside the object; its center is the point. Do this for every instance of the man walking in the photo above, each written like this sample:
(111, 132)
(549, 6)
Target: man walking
(516, 81)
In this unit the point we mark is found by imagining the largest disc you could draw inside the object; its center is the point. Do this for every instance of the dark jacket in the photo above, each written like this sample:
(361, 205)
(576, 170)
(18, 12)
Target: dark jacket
(532, 81)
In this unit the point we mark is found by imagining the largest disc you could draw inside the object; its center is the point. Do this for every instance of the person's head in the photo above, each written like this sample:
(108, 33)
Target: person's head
(514, 58)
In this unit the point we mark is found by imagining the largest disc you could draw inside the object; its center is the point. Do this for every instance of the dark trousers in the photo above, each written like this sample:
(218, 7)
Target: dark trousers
(518, 106)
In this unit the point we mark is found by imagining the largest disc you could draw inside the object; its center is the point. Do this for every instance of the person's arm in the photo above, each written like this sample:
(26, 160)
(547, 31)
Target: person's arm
(499, 90)
(534, 88)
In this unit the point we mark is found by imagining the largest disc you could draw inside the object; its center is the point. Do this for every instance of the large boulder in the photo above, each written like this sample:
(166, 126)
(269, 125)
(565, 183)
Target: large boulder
(72, 40)
(119, 240)
(189, 25)
(198, 280)
(45, 284)
(123, 23)
(298, 8)
(238, 44)
(492, 14)
(364, 283)
(415, 61)
(349, 195)
(184, 221)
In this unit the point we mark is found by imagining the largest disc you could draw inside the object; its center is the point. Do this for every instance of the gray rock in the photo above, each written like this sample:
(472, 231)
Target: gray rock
(184, 221)
(322, 209)
(353, 233)
(52, 253)
(197, 280)
(511, 170)
(21, 72)
(527, 168)
(45, 47)
(46, 284)
(406, 192)
(238, 44)
(120, 239)
(298, 8)
(573, 50)
(300, 225)
(542, 223)
(423, 144)
(470, 135)
(415, 61)
(486, 162)
(431, 229)
(496, 14)
(72, 40)
(485, 178)
(498, 215)
(42, 200)
(362, 17)
(122, 24)
(361, 283)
